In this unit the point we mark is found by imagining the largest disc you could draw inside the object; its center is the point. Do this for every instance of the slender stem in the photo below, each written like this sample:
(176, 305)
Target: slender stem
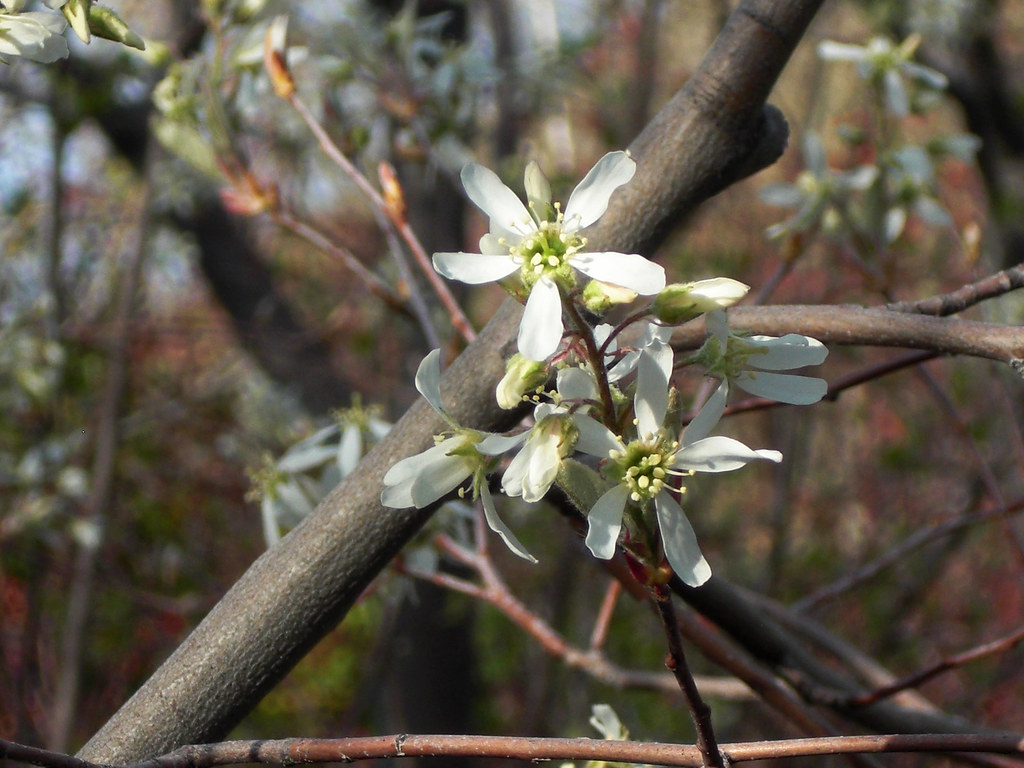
(459, 320)
(596, 357)
(1002, 645)
(676, 662)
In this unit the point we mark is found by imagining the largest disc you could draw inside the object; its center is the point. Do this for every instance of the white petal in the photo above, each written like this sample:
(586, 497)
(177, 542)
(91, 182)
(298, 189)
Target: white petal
(474, 268)
(680, 542)
(576, 384)
(595, 439)
(785, 352)
(350, 449)
(428, 380)
(495, 245)
(538, 189)
(722, 290)
(540, 330)
(895, 220)
(441, 478)
(781, 194)
(532, 471)
(515, 473)
(589, 200)
(605, 522)
(833, 51)
(650, 403)
(719, 454)
(926, 75)
(496, 524)
(896, 98)
(505, 211)
(708, 416)
(495, 444)
(718, 326)
(424, 478)
(543, 468)
(36, 35)
(629, 270)
(783, 387)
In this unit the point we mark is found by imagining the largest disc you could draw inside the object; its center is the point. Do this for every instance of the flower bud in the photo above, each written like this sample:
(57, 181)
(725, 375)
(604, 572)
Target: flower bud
(394, 200)
(599, 297)
(275, 58)
(521, 376)
(680, 302)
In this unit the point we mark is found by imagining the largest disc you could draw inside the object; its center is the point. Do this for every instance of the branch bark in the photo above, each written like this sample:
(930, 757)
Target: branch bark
(872, 327)
(713, 132)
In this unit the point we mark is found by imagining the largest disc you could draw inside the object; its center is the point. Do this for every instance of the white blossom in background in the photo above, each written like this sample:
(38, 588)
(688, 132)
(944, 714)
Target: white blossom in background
(542, 245)
(816, 191)
(464, 454)
(888, 65)
(35, 35)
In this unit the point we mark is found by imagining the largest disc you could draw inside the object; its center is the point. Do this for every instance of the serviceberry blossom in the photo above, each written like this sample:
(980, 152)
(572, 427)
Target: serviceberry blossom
(541, 243)
(886, 64)
(642, 468)
(750, 362)
(461, 454)
(533, 470)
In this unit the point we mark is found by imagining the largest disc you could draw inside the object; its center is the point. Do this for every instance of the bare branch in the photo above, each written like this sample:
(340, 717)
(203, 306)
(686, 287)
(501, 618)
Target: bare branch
(849, 324)
(311, 751)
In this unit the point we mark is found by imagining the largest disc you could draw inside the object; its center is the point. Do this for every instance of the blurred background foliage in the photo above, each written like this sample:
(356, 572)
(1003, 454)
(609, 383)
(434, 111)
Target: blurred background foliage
(167, 339)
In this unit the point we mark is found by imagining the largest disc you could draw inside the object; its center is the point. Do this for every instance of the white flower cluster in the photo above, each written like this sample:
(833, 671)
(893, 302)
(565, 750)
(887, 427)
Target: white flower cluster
(612, 402)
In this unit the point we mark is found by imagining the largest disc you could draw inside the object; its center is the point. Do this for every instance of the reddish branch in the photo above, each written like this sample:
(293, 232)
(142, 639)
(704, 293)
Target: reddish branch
(593, 662)
(1002, 645)
(297, 751)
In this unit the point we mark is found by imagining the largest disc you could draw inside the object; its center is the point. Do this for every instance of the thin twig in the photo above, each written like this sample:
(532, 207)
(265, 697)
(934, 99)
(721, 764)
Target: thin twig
(458, 318)
(1002, 645)
(707, 743)
(286, 219)
(898, 553)
(989, 287)
(604, 616)
(593, 662)
(95, 511)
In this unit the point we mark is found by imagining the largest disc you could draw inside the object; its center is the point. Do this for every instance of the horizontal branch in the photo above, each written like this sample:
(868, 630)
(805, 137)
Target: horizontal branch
(307, 751)
(850, 324)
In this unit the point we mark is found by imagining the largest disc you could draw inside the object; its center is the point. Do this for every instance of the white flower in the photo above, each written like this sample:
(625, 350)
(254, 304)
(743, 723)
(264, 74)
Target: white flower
(818, 192)
(36, 35)
(420, 480)
(642, 467)
(749, 362)
(886, 64)
(532, 471)
(543, 244)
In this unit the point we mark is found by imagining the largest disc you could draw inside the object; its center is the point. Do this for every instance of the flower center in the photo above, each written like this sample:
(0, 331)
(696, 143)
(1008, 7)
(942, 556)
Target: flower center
(547, 251)
(643, 467)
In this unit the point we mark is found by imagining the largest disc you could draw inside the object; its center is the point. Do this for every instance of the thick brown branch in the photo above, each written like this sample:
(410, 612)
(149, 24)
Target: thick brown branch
(872, 327)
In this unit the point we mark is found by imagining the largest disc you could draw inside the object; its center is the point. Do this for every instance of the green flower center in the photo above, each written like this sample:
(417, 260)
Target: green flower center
(547, 252)
(643, 467)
